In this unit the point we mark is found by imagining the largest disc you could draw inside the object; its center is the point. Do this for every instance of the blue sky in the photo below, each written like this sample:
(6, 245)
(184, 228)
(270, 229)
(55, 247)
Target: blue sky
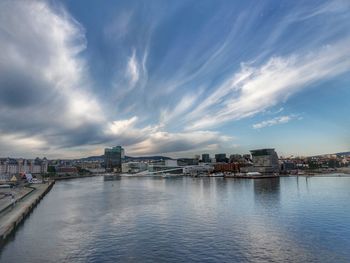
(174, 77)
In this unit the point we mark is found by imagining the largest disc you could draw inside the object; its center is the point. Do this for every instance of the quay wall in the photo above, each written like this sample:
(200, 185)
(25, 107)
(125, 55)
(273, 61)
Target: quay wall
(13, 221)
(10, 205)
(57, 178)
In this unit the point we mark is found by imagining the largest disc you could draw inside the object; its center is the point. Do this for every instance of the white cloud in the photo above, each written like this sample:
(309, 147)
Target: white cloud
(126, 132)
(152, 139)
(185, 104)
(275, 121)
(255, 89)
(20, 142)
(133, 69)
(166, 142)
(43, 82)
(333, 7)
(131, 80)
(47, 49)
(121, 126)
(279, 110)
(66, 116)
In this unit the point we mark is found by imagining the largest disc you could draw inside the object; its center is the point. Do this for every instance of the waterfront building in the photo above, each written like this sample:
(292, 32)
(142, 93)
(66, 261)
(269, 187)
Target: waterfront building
(197, 169)
(12, 167)
(205, 158)
(9, 166)
(40, 165)
(134, 167)
(170, 162)
(227, 167)
(288, 165)
(221, 158)
(113, 158)
(89, 165)
(265, 161)
(187, 161)
(235, 158)
(168, 166)
(247, 157)
(2, 167)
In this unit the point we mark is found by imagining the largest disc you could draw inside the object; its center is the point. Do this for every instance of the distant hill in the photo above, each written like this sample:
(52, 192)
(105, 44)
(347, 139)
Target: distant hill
(92, 158)
(143, 158)
(344, 153)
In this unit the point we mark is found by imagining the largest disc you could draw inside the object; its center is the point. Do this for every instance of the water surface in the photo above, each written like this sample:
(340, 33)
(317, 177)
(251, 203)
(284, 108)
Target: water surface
(188, 220)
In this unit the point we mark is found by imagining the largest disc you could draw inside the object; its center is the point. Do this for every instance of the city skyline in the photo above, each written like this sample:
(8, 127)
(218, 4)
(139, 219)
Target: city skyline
(174, 78)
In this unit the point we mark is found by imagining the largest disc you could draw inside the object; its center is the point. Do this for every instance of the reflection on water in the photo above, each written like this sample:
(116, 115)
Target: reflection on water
(267, 191)
(269, 186)
(188, 219)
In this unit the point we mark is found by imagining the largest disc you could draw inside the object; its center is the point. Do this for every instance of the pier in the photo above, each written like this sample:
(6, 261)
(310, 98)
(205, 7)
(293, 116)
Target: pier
(12, 215)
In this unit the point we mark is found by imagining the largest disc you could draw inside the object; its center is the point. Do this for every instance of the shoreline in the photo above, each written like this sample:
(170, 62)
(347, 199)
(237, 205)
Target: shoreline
(11, 219)
(321, 175)
(56, 178)
(241, 176)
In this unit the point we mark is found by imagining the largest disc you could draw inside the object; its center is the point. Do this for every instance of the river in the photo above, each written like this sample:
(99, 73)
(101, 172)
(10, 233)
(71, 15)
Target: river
(288, 219)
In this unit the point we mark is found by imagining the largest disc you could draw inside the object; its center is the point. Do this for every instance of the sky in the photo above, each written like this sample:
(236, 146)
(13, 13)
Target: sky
(176, 78)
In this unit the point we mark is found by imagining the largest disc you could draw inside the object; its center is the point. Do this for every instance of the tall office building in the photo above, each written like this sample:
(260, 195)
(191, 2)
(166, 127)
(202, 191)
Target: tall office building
(265, 160)
(113, 158)
(221, 158)
(205, 158)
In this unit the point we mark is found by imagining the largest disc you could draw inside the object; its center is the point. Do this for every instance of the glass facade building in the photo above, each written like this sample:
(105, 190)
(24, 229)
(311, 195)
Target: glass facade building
(113, 158)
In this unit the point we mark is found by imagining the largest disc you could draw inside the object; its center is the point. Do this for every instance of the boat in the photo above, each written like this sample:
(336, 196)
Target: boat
(217, 175)
(253, 174)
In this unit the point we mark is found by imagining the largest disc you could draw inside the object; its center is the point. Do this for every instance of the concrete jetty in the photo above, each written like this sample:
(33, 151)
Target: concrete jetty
(13, 215)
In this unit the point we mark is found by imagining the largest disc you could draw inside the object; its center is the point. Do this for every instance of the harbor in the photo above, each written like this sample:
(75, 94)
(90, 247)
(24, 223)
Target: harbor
(296, 219)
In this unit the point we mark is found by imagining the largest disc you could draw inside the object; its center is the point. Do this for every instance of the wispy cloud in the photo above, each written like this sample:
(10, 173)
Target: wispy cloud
(165, 142)
(329, 7)
(153, 139)
(279, 110)
(133, 70)
(275, 121)
(184, 105)
(43, 82)
(118, 28)
(255, 89)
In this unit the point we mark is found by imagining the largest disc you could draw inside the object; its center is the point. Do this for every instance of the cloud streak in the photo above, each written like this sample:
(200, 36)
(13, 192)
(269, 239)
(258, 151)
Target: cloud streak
(275, 121)
(133, 71)
(255, 89)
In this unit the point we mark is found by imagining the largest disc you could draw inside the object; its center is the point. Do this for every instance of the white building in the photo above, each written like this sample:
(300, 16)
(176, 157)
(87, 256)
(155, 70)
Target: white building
(11, 167)
(3, 167)
(134, 167)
